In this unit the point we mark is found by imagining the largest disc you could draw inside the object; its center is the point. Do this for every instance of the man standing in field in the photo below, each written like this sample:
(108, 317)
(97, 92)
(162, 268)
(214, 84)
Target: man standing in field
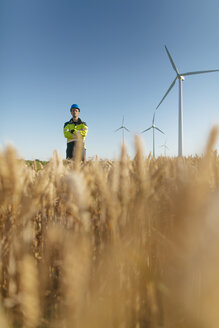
(71, 130)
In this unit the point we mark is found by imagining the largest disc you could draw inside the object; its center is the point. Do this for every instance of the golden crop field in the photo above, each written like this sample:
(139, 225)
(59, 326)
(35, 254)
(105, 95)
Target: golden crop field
(110, 244)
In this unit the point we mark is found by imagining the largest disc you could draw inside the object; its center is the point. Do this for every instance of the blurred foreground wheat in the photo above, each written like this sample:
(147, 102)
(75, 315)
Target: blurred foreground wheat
(127, 243)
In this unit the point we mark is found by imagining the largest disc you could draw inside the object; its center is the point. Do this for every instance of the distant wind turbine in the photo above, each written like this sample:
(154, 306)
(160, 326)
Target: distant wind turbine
(180, 77)
(123, 128)
(153, 127)
(165, 147)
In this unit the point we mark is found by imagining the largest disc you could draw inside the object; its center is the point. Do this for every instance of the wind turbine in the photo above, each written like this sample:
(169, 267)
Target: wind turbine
(180, 77)
(153, 127)
(123, 128)
(165, 147)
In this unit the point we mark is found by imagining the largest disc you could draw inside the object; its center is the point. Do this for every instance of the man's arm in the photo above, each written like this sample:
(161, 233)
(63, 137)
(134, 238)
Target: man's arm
(82, 128)
(67, 132)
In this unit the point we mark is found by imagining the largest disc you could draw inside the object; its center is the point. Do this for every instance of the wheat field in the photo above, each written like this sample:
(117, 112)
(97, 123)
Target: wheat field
(124, 243)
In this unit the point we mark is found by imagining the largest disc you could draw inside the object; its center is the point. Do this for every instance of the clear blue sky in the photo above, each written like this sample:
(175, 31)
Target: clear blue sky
(108, 56)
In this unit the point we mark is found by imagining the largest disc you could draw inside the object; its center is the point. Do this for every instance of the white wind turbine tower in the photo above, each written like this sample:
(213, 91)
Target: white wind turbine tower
(123, 128)
(153, 127)
(180, 77)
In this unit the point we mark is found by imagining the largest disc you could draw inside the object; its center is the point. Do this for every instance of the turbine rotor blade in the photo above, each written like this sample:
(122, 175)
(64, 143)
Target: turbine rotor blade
(123, 120)
(118, 129)
(153, 117)
(174, 81)
(159, 130)
(147, 129)
(164, 146)
(172, 62)
(126, 129)
(200, 72)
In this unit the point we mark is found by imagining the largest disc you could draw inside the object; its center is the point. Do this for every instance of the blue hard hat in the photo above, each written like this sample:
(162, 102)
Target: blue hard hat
(75, 106)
